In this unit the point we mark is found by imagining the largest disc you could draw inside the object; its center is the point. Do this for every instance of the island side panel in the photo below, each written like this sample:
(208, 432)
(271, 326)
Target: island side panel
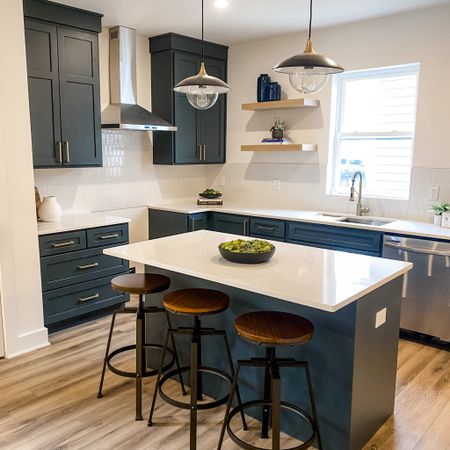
(375, 367)
(330, 355)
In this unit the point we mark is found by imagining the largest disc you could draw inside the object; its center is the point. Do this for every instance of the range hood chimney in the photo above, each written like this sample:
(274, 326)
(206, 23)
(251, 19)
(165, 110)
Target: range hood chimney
(124, 112)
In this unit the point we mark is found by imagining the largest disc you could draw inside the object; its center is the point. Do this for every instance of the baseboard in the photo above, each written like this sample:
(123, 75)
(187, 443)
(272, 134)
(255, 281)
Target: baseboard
(28, 342)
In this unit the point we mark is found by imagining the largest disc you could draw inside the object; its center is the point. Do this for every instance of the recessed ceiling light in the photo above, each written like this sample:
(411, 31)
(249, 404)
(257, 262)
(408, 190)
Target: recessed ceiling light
(221, 3)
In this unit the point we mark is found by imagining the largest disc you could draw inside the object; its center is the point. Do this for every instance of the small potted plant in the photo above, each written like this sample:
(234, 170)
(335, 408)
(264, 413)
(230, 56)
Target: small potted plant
(438, 209)
(278, 129)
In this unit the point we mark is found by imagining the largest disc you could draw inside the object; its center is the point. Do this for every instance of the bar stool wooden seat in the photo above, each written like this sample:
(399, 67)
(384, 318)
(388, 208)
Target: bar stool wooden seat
(195, 303)
(272, 329)
(141, 285)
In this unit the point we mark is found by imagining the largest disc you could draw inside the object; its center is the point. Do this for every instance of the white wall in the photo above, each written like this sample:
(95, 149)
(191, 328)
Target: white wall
(421, 36)
(19, 257)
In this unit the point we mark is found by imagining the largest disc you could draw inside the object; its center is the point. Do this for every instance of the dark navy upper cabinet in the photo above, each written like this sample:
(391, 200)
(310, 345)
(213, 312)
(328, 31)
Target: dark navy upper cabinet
(63, 85)
(200, 138)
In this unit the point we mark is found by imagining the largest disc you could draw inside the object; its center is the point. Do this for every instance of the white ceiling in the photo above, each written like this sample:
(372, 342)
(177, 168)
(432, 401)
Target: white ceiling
(242, 20)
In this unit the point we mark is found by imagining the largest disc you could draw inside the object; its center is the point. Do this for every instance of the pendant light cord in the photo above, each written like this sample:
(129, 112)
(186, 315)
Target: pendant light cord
(310, 18)
(203, 32)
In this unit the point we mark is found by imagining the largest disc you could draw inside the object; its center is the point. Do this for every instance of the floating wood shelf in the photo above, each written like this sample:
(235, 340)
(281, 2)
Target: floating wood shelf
(281, 104)
(279, 148)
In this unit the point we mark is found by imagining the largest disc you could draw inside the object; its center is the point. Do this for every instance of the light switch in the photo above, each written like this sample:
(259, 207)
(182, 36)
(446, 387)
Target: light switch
(380, 317)
(433, 193)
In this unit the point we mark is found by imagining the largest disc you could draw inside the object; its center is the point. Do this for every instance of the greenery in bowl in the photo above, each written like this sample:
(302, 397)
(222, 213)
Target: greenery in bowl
(251, 246)
(210, 193)
(440, 208)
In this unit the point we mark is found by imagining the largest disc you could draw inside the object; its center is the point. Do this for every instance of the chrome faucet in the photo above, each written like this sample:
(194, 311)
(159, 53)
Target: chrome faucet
(360, 209)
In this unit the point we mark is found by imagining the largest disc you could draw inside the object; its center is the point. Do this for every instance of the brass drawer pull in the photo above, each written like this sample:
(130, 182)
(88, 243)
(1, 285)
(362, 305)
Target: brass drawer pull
(63, 244)
(88, 266)
(86, 299)
(109, 236)
(263, 228)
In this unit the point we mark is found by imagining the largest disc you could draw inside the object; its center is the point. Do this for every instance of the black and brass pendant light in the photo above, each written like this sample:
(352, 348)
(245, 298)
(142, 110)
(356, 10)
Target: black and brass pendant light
(202, 90)
(308, 71)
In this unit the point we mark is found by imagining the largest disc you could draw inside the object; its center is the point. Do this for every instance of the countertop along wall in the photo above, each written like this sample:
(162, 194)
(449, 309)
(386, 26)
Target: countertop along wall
(128, 179)
(420, 36)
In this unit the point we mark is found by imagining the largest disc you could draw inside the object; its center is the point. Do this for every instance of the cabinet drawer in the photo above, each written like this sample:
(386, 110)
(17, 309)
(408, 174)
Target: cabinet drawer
(68, 302)
(230, 223)
(54, 244)
(338, 238)
(267, 228)
(99, 237)
(77, 267)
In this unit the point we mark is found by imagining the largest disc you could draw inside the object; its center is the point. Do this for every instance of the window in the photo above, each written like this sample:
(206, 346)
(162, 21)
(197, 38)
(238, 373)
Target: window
(374, 123)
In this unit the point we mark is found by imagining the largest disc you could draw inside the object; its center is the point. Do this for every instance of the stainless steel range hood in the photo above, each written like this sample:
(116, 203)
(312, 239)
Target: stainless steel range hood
(124, 112)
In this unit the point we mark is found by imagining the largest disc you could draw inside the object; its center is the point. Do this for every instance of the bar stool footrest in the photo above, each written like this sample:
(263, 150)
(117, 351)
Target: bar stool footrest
(289, 406)
(147, 373)
(200, 406)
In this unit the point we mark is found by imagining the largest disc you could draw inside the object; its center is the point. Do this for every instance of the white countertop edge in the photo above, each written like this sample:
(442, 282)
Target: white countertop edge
(74, 222)
(397, 226)
(239, 285)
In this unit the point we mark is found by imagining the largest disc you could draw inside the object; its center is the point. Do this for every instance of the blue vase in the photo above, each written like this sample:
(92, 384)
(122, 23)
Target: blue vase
(263, 80)
(277, 91)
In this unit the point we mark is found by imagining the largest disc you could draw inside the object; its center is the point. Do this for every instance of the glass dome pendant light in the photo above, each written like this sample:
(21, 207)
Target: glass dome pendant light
(202, 90)
(308, 71)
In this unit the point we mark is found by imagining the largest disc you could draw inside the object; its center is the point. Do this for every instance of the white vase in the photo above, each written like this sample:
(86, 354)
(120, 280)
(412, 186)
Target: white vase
(437, 220)
(50, 210)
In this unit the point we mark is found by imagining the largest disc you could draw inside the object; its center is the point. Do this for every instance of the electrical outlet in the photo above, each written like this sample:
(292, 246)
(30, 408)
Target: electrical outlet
(433, 193)
(380, 317)
(276, 184)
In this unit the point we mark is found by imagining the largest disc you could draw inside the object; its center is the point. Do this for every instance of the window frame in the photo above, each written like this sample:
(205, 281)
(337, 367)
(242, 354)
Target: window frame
(336, 117)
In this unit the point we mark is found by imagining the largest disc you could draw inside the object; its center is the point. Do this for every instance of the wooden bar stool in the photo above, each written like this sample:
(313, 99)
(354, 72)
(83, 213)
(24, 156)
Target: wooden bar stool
(138, 284)
(273, 328)
(195, 303)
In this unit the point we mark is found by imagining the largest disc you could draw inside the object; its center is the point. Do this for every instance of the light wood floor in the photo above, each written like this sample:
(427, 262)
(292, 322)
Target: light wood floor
(48, 401)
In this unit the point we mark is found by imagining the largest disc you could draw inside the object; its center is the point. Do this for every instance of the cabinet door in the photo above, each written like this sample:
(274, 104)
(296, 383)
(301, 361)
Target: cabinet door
(43, 91)
(80, 97)
(186, 144)
(212, 121)
(230, 223)
(198, 222)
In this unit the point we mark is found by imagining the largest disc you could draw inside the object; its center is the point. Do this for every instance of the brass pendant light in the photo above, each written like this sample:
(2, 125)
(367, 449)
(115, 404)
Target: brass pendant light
(202, 90)
(308, 71)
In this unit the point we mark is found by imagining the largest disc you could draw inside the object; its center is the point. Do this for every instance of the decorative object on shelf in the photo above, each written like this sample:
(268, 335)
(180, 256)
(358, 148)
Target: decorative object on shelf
(438, 209)
(50, 210)
(210, 197)
(37, 200)
(202, 90)
(278, 129)
(308, 71)
(263, 80)
(445, 221)
(241, 251)
(282, 140)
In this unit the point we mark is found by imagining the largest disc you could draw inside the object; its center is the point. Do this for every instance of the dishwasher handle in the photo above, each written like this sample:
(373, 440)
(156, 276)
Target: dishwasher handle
(398, 246)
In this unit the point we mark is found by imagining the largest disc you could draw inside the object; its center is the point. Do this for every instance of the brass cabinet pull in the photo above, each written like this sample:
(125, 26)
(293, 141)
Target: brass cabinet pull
(63, 244)
(109, 236)
(199, 152)
(245, 227)
(86, 299)
(264, 228)
(60, 152)
(66, 144)
(204, 152)
(193, 224)
(88, 266)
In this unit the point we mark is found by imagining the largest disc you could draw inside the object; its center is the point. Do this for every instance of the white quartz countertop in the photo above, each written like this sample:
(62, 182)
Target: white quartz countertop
(407, 227)
(72, 222)
(322, 279)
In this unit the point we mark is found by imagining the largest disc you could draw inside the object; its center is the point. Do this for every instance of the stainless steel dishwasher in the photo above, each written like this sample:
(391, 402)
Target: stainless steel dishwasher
(426, 288)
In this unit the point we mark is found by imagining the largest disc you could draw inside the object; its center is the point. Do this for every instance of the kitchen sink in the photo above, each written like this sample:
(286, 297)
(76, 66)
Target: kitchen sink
(365, 221)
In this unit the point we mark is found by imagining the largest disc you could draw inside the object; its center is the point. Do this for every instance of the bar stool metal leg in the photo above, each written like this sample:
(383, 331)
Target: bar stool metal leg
(175, 353)
(158, 378)
(267, 394)
(140, 357)
(276, 406)
(313, 406)
(108, 346)
(194, 390)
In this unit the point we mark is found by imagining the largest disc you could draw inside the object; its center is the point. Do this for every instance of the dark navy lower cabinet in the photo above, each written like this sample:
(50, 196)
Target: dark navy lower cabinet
(354, 240)
(230, 223)
(167, 223)
(77, 283)
(268, 228)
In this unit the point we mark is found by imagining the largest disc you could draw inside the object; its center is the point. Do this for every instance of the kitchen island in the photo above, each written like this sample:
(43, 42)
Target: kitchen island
(346, 296)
